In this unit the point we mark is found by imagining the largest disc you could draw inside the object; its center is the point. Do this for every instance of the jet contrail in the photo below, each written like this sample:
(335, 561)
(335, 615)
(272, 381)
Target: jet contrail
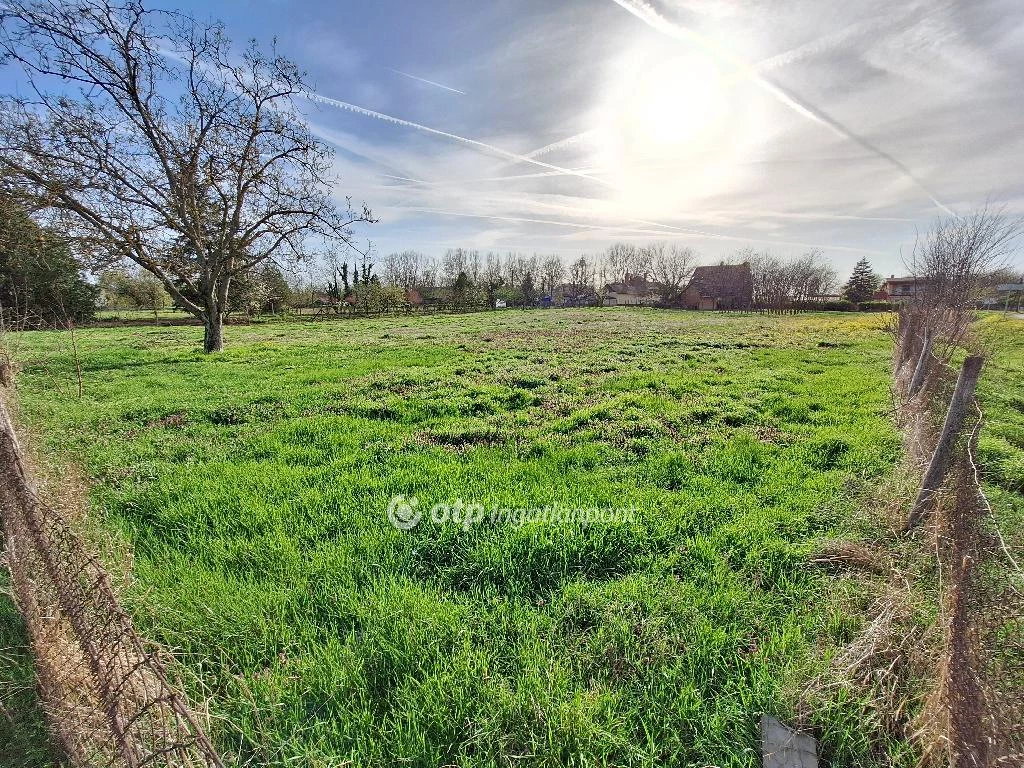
(424, 80)
(555, 146)
(629, 230)
(647, 14)
(454, 137)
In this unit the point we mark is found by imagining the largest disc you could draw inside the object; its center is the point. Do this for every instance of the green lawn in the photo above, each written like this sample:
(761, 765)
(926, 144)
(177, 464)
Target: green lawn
(251, 488)
(1001, 444)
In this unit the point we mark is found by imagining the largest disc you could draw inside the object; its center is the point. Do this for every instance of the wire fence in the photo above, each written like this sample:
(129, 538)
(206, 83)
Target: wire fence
(974, 715)
(108, 695)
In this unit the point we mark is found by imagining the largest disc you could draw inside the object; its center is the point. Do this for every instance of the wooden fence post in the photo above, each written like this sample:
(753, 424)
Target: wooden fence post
(922, 364)
(909, 324)
(943, 455)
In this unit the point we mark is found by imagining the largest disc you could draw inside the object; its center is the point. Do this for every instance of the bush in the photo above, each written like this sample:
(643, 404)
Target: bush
(840, 305)
(40, 280)
(878, 306)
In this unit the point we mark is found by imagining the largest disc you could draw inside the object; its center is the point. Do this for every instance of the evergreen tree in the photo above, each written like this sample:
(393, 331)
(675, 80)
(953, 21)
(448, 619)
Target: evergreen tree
(461, 288)
(529, 290)
(40, 281)
(862, 283)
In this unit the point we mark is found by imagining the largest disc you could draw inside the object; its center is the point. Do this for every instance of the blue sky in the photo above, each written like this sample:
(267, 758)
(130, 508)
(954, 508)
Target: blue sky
(718, 124)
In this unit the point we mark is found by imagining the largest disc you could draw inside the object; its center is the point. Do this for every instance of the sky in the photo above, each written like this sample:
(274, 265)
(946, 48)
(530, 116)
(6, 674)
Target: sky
(562, 127)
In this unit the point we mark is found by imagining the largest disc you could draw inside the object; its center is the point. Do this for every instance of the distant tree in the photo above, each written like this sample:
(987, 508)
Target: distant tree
(279, 293)
(623, 261)
(344, 278)
(404, 269)
(247, 294)
(552, 272)
(672, 269)
(810, 275)
(492, 279)
(366, 270)
(461, 289)
(769, 275)
(953, 259)
(862, 283)
(529, 290)
(453, 264)
(121, 289)
(514, 269)
(581, 282)
(40, 282)
(143, 127)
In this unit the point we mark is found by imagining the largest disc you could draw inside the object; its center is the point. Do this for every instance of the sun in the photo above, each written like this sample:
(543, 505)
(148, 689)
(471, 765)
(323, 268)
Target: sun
(671, 129)
(679, 105)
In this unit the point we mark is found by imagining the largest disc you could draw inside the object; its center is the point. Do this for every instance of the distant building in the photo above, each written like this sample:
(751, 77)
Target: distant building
(1010, 294)
(723, 286)
(635, 291)
(571, 295)
(901, 288)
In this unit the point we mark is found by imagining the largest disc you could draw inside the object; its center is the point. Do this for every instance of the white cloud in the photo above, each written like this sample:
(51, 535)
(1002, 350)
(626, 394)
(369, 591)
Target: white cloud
(581, 125)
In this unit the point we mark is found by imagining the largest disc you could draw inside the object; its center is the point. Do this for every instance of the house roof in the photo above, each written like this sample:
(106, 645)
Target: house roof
(637, 286)
(722, 281)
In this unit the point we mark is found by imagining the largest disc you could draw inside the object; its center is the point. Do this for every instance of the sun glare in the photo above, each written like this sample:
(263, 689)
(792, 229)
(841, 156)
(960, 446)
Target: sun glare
(680, 105)
(671, 131)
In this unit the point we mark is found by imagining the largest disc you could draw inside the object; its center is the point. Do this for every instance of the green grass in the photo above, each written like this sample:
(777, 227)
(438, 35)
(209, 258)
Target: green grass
(1001, 443)
(251, 489)
(24, 739)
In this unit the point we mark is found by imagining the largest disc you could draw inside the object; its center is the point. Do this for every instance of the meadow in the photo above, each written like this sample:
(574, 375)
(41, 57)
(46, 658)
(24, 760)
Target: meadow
(241, 498)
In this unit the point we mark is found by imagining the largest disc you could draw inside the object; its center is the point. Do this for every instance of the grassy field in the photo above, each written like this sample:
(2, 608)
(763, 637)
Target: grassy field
(1001, 443)
(248, 491)
(24, 740)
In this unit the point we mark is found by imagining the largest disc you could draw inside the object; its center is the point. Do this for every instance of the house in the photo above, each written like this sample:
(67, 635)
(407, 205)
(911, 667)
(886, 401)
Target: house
(901, 288)
(722, 286)
(1008, 293)
(572, 295)
(413, 297)
(635, 291)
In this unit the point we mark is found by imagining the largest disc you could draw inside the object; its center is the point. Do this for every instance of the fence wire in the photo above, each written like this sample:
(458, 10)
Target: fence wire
(977, 707)
(106, 692)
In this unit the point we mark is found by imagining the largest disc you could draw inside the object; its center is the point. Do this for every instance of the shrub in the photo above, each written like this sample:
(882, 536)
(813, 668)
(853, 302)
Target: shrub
(878, 306)
(841, 305)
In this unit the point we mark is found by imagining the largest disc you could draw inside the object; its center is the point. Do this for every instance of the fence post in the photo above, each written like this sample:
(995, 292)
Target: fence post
(943, 455)
(922, 364)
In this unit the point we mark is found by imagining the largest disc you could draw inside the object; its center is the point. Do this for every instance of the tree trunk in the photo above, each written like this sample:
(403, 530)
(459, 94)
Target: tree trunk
(213, 334)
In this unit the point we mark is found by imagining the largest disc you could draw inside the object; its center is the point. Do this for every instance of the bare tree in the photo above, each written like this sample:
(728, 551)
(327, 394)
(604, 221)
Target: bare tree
(672, 269)
(552, 271)
(953, 259)
(778, 281)
(625, 261)
(157, 145)
(581, 282)
(953, 263)
(402, 269)
(810, 275)
(453, 263)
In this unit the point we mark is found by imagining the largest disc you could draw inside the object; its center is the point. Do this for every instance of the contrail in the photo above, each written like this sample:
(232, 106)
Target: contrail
(424, 80)
(647, 14)
(555, 222)
(555, 146)
(454, 137)
(630, 230)
(821, 44)
(488, 179)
